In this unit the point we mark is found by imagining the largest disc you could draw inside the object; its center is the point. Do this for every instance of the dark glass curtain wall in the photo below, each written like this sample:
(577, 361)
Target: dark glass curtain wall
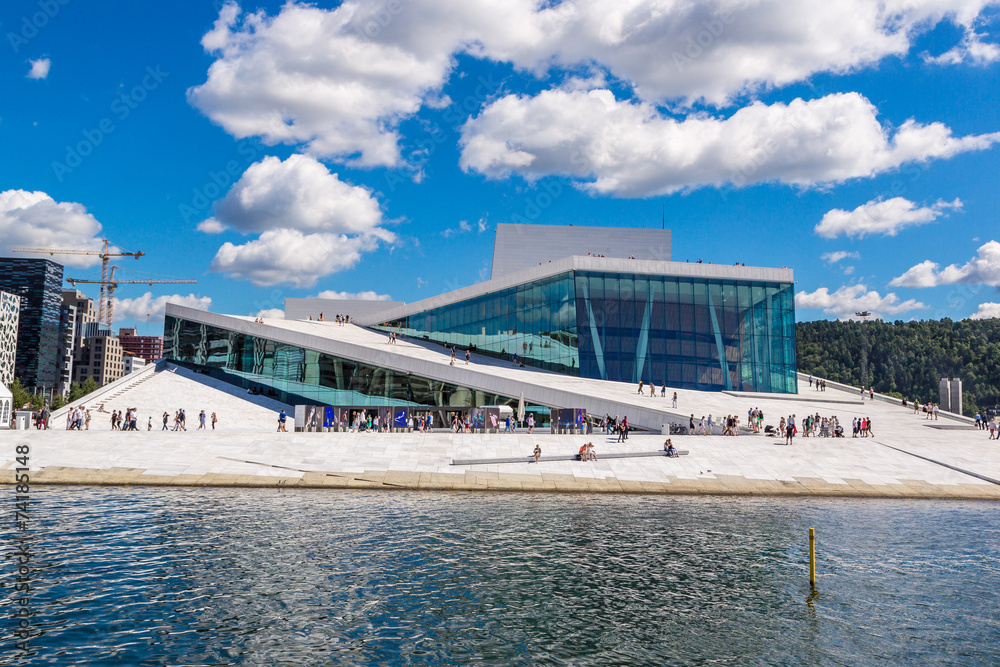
(301, 376)
(694, 333)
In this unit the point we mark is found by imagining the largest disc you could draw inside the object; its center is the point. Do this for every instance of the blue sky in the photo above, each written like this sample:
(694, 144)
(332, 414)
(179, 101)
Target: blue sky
(286, 150)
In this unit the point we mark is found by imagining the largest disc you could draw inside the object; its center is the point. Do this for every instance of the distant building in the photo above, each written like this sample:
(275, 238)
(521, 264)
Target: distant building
(150, 348)
(99, 356)
(67, 348)
(38, 284)
(86, 313)
(951, 395)
(10, 307)
(131, 362)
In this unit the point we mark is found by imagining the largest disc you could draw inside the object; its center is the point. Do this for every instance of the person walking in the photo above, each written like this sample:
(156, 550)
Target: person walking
(214, 419)
(467, 355)
(282, 417)
(691, 425)
(663, 390)
(675, 399)
(640, 388)
(201, 421)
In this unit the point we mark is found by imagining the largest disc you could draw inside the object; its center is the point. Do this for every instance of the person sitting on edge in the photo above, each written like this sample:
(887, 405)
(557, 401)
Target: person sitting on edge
(591, 454)
(668, 447)
(538, 453)
(582, 454)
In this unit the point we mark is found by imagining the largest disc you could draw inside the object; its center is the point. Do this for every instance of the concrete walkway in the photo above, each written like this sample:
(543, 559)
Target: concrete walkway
(909, 456)
(750, 465)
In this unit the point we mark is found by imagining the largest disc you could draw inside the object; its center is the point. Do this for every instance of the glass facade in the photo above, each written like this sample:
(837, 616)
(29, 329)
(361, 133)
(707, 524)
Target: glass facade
(301, 376)
(38, 283)
(686, 332)
(536, 321)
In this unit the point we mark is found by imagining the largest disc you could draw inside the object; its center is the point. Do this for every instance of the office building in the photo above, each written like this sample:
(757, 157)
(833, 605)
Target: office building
(10, 307)
(98, 356)
(38, 283)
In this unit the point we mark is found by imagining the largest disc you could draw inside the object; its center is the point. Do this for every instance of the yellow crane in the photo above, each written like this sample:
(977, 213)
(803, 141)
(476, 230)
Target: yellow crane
(109, 286)
(105, 260)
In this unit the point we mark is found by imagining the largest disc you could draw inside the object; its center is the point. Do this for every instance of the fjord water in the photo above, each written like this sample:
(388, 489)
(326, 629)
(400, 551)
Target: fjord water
(145, 576)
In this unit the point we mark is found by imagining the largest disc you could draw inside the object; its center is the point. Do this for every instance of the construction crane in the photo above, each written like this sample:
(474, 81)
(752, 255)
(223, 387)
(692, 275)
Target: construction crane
(109, 286)
(105, 260)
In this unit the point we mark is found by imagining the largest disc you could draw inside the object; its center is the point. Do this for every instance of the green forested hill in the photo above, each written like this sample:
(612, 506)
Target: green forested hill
(907, 358)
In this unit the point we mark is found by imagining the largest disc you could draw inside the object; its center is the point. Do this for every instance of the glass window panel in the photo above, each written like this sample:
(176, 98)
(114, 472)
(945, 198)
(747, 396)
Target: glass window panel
(670, 288)
(611, 287)
(685, 292)
(700, 293)
(626, 288)
(641, 286)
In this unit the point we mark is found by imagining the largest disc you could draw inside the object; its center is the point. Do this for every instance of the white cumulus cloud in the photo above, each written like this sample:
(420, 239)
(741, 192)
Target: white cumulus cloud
(972, 49)
(851, 299)
(289, 256)
(39, 68)
(986, 311)
(834, 257)
(983, 269)
(139, 307)
(339, 82)
(630, 149)
(366, 295)
(35, 220)
(313, 77)
(310, 223)
(297, 193)
(271, 314)
(211, 226)
(886, 217)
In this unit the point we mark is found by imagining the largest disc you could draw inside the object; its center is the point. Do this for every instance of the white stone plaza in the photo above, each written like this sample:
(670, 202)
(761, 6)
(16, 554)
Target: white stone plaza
(908, 456)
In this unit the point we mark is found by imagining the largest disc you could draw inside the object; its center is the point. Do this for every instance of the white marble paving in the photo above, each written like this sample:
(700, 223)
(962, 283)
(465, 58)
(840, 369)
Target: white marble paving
(246, 433)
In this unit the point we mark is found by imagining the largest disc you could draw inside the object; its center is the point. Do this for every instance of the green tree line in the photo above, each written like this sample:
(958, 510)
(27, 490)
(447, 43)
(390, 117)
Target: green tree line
(907, 359)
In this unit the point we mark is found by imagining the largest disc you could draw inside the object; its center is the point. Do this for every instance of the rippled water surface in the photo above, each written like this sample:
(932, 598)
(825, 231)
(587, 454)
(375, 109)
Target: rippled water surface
(263, 577)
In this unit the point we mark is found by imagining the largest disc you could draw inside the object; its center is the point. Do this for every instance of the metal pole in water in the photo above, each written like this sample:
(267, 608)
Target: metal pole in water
(812, 557)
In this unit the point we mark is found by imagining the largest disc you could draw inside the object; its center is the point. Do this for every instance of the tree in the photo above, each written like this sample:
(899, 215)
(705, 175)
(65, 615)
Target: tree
(75, 392)
(907, 358)
(89, 386)
(21, 395)
(57, 401)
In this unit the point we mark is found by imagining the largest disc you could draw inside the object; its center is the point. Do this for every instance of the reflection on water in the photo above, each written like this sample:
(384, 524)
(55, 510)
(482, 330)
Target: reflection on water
(218, 576)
